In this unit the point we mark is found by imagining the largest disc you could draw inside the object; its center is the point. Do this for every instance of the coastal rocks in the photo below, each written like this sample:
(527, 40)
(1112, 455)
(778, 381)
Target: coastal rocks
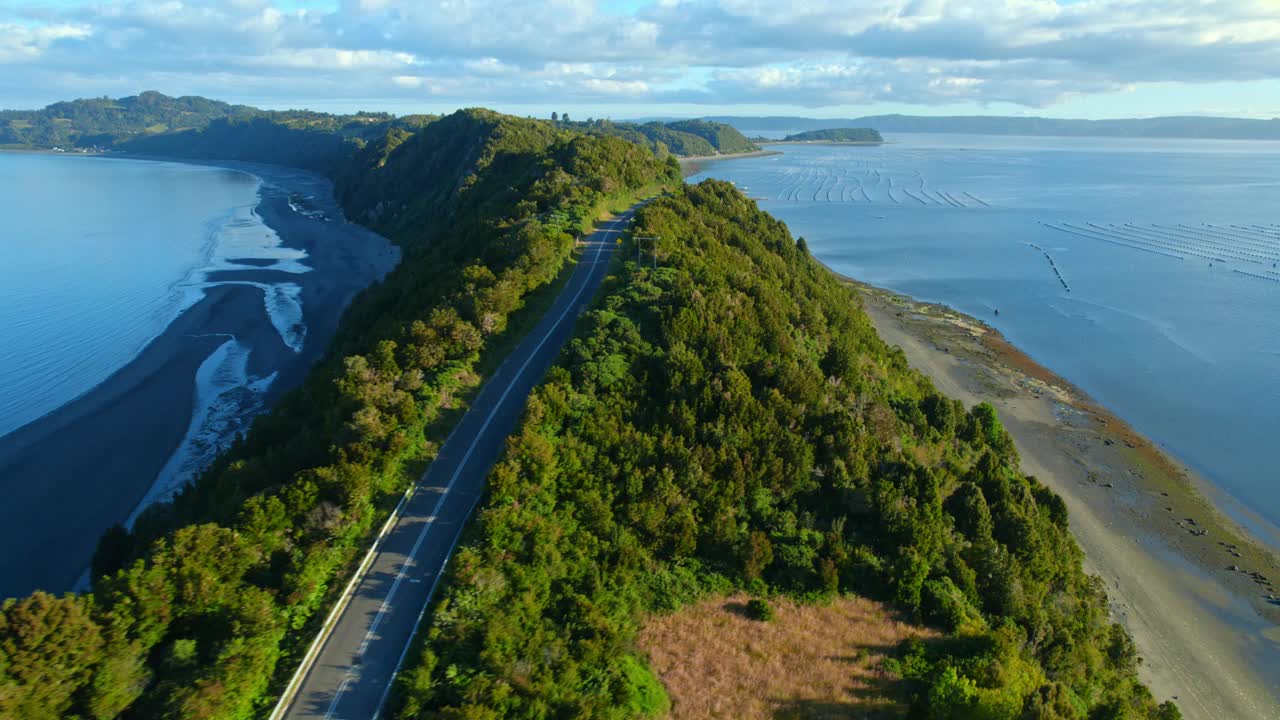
(1256, 576)
(1195, 528)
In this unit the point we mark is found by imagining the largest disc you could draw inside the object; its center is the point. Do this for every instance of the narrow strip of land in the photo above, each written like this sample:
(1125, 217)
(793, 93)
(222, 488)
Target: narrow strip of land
(350, 670)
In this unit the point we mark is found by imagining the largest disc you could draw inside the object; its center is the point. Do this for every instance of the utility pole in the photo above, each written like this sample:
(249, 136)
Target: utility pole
(653, 247)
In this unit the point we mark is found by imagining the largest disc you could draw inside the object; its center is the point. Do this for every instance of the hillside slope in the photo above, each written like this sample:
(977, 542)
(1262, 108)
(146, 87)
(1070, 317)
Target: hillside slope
(212, 596)
(684, 138)
(103, 121)
(731, 420)
(136, 123)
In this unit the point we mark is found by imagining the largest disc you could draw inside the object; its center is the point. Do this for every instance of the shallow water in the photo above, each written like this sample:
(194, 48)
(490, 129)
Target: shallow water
(99, 255)
(1147, 272)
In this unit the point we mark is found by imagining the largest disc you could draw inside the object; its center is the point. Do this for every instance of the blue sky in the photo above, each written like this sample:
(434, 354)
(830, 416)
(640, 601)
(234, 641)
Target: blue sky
(626, 58)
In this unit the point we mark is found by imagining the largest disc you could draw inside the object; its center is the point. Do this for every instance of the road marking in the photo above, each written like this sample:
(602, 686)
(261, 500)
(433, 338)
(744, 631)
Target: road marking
(426, 528)
(338, 695)
(386, 691)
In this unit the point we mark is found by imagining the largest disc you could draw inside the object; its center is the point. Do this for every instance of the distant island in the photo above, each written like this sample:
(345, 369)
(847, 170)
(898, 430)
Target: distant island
(861, 136)
(1216, 128)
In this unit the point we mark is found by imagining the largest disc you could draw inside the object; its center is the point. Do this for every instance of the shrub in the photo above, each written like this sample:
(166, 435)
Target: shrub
(759, 609)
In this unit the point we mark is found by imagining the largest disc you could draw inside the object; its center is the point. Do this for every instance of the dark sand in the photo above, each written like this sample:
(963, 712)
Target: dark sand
(77, 471)
(252, 262)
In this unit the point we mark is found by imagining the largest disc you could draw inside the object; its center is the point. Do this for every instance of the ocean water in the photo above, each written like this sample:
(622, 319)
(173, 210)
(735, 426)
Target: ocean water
(1145, 271)
(99, 255)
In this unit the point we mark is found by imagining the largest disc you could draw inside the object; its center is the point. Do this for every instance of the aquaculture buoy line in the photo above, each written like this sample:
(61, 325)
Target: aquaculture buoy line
(1070, 231)
(1210, 242)
(1053, 265)
(1257, 275)
(913, 197)
(1233, 239)
(863, 183)
(1129, 237)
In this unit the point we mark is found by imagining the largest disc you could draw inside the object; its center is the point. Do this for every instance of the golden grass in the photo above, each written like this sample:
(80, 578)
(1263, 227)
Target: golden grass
(811, 661)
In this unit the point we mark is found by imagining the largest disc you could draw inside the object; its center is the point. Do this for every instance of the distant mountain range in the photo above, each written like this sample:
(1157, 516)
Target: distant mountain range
(1161, 127)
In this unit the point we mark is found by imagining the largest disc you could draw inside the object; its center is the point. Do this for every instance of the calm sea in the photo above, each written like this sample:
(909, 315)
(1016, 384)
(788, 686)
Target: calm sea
(1147, 272)
(98, 256)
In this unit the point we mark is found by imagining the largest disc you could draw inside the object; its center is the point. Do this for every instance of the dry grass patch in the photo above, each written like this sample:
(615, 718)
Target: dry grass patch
(811, 661)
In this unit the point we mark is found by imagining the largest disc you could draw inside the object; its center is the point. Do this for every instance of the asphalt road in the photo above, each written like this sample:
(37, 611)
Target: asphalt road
(350, 674)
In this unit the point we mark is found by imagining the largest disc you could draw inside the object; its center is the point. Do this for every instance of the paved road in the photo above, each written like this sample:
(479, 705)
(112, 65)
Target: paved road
(350, 674)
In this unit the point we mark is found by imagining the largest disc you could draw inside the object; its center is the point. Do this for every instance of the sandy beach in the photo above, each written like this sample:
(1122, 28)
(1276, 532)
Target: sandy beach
(75, 472)
(694, 164)
(1196, 592)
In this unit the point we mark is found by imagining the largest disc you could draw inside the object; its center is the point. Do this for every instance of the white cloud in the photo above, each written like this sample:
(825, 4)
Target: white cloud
(21, 43)
(815, 52)
(333, 59)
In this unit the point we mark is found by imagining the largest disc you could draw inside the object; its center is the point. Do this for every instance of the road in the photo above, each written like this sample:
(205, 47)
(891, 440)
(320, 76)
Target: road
(348, 673)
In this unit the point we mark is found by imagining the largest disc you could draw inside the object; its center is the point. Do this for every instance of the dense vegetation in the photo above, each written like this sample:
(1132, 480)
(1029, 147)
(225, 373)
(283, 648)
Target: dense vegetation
(838, 135)
(730, 419)
(683, 138)
(322, 143)
(213, 595)
(725, 138)
(194, 127)
(102, 121)
(133, 123)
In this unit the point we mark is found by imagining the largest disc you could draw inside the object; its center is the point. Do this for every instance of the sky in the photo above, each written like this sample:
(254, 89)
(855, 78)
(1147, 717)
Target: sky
(633, 58)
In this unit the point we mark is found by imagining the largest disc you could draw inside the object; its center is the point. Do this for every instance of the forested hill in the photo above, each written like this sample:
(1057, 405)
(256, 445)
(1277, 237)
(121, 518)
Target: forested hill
(683, 138)
(194, 127)
(730, 419)
(837, 135)
(209, 604)
(103, 121)
(113, 123)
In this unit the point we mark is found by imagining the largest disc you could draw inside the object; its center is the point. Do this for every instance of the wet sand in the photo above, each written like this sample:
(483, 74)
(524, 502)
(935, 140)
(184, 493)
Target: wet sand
(77, 471)
(1180, 573)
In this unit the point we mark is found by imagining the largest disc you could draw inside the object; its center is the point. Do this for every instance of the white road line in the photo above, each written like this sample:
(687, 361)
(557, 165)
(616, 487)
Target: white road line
(426, 528)
(313, 651)
(338, 695)
(386, 691)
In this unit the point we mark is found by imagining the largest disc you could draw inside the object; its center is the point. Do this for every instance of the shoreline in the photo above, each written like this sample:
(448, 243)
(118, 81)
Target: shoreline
(868, 143)
(93, 462)
(1148, 526)
(693, 164)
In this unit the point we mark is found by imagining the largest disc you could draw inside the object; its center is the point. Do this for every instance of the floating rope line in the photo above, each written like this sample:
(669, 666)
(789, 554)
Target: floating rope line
(1053, 265)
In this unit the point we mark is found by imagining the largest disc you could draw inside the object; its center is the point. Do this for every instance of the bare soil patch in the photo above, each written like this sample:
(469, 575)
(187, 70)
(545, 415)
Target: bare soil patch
(810, 661)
